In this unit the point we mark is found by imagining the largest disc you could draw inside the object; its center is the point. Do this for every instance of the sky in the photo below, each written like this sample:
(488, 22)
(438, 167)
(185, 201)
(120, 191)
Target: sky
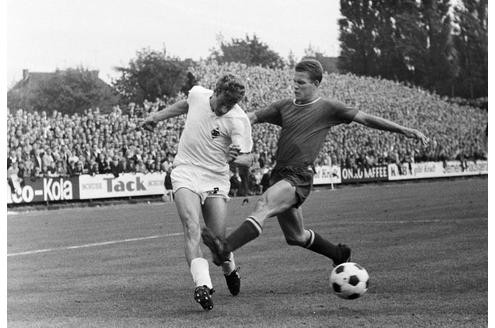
(101, 34)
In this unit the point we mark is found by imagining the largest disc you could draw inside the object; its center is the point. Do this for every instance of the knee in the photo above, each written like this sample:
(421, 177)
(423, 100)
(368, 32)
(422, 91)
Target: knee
(192, 230)
(270, 205)
(261, 203)
(296, 240)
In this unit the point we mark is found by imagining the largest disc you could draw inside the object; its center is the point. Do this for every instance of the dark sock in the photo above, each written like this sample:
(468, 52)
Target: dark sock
(323, 247)
(247, 231)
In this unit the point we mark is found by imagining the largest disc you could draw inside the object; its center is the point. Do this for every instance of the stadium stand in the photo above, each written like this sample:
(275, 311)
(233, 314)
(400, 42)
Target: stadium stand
(56, 144)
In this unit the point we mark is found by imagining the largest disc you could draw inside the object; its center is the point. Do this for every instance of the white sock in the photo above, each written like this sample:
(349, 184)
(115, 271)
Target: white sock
(228, 266)
(200, 272)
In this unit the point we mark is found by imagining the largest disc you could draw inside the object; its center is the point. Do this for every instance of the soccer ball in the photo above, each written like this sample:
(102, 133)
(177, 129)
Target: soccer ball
(349, 280)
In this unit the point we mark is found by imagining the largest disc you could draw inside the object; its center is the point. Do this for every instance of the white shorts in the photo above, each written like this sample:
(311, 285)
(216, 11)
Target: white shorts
(203, 182)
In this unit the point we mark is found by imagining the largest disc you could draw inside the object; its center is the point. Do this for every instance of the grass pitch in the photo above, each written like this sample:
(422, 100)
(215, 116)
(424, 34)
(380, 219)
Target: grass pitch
(424, 244)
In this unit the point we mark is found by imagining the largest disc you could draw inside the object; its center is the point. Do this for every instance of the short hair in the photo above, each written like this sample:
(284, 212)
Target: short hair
(232, 87)
(313, 67)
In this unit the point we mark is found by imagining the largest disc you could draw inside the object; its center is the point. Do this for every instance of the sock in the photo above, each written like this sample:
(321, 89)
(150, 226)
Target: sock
(200, 272)
(247, 231)
(228, 266)
(311, 238)
(318, 244)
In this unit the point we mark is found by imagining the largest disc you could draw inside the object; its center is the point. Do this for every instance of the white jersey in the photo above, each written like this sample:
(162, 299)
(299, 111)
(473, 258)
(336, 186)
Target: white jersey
(206, 137)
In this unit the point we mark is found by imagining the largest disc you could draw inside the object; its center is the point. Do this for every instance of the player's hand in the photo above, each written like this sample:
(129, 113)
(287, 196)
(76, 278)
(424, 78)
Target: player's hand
(149, 124)
(234, 151)
(412, 133)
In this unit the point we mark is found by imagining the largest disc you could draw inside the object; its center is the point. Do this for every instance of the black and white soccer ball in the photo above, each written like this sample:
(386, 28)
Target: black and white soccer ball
(349, 280)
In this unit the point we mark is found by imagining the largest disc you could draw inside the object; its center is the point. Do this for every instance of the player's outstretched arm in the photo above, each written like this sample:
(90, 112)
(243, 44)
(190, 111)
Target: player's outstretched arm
(179, 108)
(379, 123)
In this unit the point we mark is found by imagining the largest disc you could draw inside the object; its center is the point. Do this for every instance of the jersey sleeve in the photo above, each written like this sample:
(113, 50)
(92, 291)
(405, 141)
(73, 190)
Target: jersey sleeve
(271, 114)
(193, 94)
(241, 134)
(341, 113)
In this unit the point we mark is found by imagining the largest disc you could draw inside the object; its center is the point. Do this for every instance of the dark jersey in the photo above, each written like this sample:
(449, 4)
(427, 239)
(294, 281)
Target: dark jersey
(304, 127)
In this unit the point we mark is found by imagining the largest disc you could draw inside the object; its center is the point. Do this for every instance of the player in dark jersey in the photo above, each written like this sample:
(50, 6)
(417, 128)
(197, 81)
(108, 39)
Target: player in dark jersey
(305, 122)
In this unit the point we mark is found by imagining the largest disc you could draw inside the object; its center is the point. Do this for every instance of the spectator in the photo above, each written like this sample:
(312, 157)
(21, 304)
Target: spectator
(79, 168)
(13, 178)
(36, 174)
(244, 185)
(140, 167)
(93, 168)
(168, 196)
(47, 159)
(43, 138)
(38, 158)
(115, 168)
(123, 165)
(265, 180)
(12, 158)
(235, 182)
(23, 173)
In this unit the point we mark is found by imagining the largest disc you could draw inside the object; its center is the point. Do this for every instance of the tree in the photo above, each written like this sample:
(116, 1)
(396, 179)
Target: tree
(249, 51)
(407, 47)
(471, 41)
(398, 39)
(358, 30)
(291, 60)
(151, 75)
(329, 64)
(69, 91)
(441, 55)
(402, 40)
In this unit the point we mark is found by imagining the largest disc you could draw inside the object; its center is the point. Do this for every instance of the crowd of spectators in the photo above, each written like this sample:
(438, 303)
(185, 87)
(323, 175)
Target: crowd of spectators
(55, 144)
(456, 132)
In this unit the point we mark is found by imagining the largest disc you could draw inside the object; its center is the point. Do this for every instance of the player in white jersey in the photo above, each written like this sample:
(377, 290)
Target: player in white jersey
(217, 132)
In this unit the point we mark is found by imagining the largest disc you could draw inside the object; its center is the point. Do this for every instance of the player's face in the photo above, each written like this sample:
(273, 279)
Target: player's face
(304, 87)
(217, 104)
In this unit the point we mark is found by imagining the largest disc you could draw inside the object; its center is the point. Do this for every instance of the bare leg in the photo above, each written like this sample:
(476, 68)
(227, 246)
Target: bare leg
(215, 216)
(277, 199)
(292, 224)
(189, 207)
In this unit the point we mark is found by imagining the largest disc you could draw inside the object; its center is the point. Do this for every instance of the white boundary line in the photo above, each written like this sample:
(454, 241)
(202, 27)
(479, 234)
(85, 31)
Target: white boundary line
(111, 242)
(416, 221)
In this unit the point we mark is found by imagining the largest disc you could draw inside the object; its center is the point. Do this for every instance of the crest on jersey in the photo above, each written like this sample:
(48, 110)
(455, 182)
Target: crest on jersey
(215, 132)
(214, 191)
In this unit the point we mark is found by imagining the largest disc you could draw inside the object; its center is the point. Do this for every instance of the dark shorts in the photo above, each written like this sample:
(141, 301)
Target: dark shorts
(299, 177)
